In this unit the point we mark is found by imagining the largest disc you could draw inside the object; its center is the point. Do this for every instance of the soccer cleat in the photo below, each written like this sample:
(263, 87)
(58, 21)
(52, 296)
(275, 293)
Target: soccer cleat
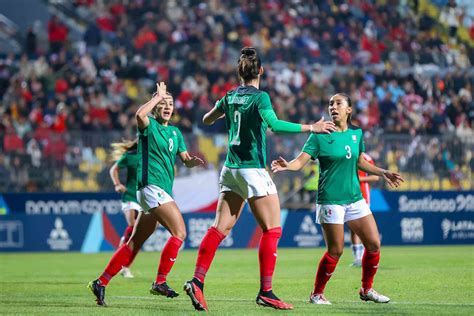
(195, 292)
(126, 273)
(268, 299)
(372, 295)
(356, 264)
(99, 292)
(163, 289)
(318, 299)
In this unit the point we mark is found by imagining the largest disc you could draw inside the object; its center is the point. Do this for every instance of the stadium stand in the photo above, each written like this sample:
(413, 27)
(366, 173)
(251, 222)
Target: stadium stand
(408, 71)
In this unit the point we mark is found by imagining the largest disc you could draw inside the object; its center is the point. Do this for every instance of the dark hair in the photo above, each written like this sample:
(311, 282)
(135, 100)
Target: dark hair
(249, 64)
(349, 103)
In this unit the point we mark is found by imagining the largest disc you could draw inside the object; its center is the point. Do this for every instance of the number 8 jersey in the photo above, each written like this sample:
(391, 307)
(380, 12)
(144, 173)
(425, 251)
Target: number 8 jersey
(158, 146)
(248, 112)
(338, 154)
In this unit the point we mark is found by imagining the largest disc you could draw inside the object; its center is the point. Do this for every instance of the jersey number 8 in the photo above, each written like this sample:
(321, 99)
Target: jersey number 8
(171, 144)
(237, 119)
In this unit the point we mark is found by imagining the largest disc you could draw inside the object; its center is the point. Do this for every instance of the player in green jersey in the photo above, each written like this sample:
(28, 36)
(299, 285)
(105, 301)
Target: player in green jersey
(125, 156)
(339, 197)
(159, 144)
(248, 112)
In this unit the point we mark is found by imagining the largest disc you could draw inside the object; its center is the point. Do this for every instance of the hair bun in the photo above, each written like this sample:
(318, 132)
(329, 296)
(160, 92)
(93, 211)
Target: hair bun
(248, 51)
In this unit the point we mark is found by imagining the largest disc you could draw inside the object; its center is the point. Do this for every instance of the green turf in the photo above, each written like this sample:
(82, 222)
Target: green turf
(420, 280)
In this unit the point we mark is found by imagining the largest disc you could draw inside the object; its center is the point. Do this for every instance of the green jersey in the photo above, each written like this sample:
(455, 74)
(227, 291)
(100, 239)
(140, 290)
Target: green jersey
(129, 161)
(338, 154)
(248, 112)
(158, 146)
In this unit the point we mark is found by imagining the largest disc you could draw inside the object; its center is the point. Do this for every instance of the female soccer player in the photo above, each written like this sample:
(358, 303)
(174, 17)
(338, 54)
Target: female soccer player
(125, 155)
(365, 180)
(339, 197)
(248, 112)
(159, 144)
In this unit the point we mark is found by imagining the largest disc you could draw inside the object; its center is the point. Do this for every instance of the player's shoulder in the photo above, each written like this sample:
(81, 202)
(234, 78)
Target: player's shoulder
(355, 128)
(132, 150)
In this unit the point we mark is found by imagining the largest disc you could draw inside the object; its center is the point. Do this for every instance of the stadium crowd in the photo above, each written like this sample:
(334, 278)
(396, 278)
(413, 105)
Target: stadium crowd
(407, 73)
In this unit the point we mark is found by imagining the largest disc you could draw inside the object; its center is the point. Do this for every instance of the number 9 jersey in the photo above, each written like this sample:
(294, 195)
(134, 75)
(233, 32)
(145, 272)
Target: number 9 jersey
(338, 154)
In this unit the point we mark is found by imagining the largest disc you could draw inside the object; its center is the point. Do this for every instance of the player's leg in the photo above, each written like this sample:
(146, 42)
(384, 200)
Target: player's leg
(357, 250)
(366, 228)
(229, 208)
(144, 227)
(130, 215)
(266, 210)
(334, 238)
(170, 217)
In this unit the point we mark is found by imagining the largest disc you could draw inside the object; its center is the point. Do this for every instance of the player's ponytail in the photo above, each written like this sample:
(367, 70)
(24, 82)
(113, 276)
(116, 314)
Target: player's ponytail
(349, 103)
(118, 149)
(249, 64)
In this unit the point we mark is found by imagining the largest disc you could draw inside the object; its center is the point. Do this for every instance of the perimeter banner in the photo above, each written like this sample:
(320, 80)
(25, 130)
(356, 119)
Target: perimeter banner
(90, 222)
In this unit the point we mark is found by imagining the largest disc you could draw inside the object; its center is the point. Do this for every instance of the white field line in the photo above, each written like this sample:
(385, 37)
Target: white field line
(300, 301)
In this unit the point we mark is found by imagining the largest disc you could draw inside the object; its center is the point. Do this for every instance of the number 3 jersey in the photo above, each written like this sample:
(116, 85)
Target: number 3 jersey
(338, 154)
(158, 146)
(248, 112)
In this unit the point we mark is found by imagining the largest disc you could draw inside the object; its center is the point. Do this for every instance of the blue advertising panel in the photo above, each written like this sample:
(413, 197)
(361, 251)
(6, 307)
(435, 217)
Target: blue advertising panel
(93, 222)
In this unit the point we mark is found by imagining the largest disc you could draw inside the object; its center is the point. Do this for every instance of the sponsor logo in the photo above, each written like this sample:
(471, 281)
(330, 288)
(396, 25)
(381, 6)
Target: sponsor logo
(11, 234)
(412, 229)
(463, 229)
(59, 237)
(354, 138)
(308, 235)
(197, 228)
(331, 141)
(71, 207)
(462, 203)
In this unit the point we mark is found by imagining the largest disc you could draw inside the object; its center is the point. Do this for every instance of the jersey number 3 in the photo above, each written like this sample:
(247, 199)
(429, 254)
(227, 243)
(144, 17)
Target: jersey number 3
(237, 120)
(349, 153)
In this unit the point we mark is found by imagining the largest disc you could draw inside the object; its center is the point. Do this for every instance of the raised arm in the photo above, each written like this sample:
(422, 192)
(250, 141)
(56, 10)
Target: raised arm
(213, 115)
(296, 164)
(392, 178)
(142, 113)
(280, 126)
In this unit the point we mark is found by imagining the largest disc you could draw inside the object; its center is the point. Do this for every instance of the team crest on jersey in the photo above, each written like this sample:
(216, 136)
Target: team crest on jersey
(174, 133)
(354, 138)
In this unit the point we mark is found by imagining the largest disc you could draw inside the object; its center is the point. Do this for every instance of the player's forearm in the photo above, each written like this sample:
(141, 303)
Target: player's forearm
(114, 175)
(213, 115)
(369, 179)
(371, 169)
(280, 126)
(146, 108)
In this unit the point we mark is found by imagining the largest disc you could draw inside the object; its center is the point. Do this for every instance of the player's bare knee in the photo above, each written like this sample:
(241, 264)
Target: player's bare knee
(373, 246)
(335, 252)
(181, 234)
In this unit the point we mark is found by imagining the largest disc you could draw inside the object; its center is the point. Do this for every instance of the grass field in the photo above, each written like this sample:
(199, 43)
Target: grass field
(420, 280)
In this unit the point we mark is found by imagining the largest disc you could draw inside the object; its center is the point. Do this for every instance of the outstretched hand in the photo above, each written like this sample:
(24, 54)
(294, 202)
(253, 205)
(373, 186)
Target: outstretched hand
(279, 165)
(393, 179)
(323, 127)
(194, 161)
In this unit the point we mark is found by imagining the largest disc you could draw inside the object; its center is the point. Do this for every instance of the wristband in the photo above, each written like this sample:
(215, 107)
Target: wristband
(311, 128)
